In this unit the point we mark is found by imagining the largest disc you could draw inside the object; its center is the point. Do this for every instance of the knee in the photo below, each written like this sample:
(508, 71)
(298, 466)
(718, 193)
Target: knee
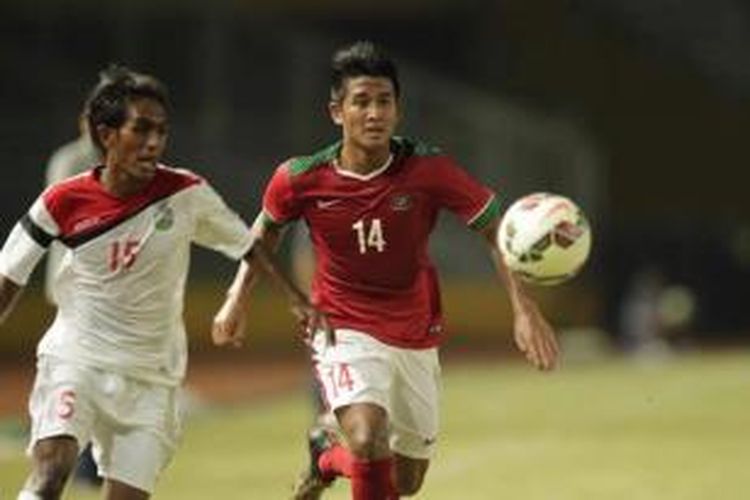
(366, 429)
(368, 442)
(409, 483)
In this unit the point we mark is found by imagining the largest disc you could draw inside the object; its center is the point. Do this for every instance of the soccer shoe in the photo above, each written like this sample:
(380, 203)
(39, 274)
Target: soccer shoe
(311, 482)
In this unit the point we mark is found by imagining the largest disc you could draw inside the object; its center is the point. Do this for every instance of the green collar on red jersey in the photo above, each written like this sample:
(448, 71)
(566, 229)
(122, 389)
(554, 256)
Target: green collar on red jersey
(401, 147)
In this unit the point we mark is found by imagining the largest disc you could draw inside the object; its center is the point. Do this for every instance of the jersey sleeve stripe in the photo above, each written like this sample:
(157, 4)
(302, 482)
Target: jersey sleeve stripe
(490, 210)
(39, 235)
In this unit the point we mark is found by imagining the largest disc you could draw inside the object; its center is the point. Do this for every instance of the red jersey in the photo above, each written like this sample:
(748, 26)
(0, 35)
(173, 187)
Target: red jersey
(370, 235)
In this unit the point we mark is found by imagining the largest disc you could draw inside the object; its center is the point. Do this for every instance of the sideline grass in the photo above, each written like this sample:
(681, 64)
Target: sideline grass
(611, 429)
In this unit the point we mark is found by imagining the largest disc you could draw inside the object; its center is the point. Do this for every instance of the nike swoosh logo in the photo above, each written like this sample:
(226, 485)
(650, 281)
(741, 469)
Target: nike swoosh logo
(327, 203)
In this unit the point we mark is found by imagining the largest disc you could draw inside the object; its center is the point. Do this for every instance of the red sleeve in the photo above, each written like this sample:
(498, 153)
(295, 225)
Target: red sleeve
(279, 201)
(456, 190)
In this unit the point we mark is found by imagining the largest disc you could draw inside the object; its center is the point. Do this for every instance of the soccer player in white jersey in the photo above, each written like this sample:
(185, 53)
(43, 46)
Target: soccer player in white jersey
(370, 202)
(110, 366)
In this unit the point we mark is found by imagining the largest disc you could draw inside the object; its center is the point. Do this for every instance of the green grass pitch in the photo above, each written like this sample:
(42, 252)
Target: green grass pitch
(610, 429)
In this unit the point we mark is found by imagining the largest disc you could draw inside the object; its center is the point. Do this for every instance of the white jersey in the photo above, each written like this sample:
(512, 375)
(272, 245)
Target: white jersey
(121, 284)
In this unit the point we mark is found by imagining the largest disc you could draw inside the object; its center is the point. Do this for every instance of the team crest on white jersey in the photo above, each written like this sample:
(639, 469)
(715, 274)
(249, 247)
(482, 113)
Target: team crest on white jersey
(163, 216)
(401, 202)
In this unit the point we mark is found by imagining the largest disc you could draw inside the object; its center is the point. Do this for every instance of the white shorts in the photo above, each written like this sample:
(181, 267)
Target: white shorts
(134, 425)
(404, 382)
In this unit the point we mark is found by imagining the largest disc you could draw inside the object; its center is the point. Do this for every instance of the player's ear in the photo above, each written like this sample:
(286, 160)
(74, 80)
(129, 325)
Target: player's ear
(106, 135)
(334, 109)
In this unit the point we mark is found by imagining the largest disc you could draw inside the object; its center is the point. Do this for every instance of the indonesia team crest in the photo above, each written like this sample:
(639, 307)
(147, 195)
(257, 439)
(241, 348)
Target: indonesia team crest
(163, 217)
(401, 202)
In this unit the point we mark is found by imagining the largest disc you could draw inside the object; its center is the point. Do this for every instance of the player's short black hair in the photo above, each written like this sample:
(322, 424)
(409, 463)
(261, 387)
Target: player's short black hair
(361, 58)
(108, 101)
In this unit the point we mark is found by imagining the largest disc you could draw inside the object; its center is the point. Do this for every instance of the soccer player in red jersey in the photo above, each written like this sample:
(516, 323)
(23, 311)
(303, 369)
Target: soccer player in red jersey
(110, 365)
(371, 201)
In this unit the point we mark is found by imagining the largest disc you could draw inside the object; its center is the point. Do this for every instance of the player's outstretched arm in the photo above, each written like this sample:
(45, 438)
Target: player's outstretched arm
(309, 317)
(532, 333)
(229, 323)
(9, 293)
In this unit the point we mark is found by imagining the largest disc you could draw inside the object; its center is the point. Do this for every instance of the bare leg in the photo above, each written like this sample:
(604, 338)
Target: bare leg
(121, 491)
(365, 426)
(366, 429)
(410, 474)
(53, 460)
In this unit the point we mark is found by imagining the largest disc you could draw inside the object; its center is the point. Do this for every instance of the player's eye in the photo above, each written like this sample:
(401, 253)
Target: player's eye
(145, 127)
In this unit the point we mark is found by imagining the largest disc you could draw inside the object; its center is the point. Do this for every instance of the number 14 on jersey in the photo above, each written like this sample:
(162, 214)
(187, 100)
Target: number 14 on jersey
(369, 236)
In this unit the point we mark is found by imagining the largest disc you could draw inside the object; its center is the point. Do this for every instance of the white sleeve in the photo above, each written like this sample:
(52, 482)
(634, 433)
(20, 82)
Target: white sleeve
(27, 243)
(218, 227)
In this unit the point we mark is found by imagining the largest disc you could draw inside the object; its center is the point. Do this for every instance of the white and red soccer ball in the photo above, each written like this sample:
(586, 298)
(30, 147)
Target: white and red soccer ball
(545, 238)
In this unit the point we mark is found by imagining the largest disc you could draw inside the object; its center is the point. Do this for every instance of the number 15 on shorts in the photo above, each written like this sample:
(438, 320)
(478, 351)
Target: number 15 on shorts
(338, 379)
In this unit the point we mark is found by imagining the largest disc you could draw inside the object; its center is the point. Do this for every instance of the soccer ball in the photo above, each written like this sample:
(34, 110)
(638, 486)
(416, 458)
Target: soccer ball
(545, 238)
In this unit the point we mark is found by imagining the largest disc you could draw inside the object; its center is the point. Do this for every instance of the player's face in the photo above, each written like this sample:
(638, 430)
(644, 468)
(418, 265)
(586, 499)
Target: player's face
(367, 112)
(135, 148)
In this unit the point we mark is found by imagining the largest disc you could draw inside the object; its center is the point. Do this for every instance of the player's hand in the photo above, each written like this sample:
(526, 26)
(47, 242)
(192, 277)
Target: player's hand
(311, 320)
(228, 327)
(535, 337)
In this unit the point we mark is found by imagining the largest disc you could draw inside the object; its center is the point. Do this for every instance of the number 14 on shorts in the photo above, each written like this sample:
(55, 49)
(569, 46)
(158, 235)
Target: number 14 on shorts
(338, 379)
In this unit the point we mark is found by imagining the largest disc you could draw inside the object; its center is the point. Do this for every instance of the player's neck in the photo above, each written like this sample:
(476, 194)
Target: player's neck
(362, 161)
(120, 184)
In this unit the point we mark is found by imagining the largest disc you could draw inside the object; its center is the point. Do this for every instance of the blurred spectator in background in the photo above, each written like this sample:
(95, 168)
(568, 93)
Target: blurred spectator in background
(68, 160)
(654, 315)
(640, 323)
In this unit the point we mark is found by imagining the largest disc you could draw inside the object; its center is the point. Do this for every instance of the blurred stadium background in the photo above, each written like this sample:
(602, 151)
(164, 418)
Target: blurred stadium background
(637, 109)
